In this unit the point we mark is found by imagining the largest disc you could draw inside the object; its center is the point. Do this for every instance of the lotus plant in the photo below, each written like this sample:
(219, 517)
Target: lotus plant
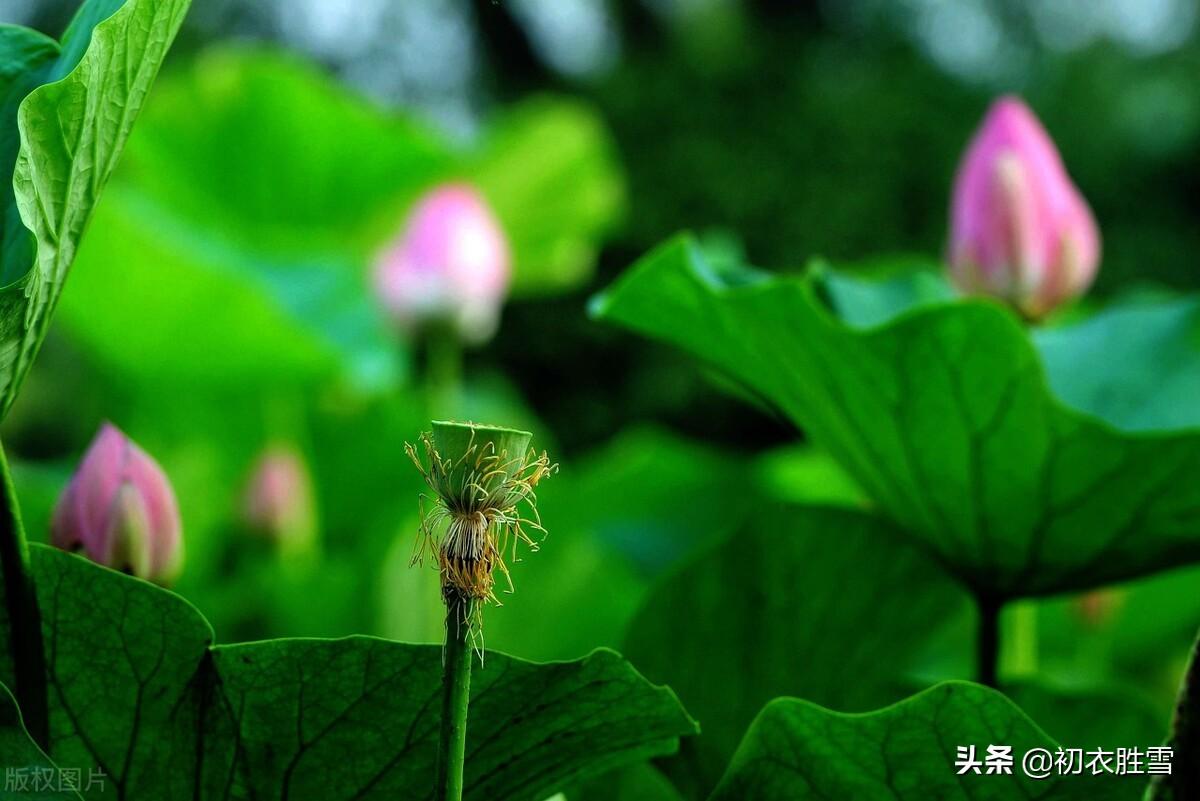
(278, 503)
(1019, 228)
(120, 511)
(449, 265)
(483, 480)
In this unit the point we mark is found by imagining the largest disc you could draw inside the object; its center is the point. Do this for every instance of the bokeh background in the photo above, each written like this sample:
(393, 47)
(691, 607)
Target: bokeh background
(221, 304)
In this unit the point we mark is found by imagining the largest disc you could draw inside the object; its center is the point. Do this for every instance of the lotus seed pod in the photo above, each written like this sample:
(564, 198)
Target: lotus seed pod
(466, 446)
(1019, 228)
(450, 264)
(120, 511)
(483, 479)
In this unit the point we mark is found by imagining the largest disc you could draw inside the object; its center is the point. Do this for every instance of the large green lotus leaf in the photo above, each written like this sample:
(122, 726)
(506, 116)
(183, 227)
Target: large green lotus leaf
(28, 772)
(358, 718)
(237, 229)
(138, 692)
(262, 149)
(121, 659)
(213, 312)
(823, 603)
(65, 111)
(906, 752)
(944, 413)
(1140, 364)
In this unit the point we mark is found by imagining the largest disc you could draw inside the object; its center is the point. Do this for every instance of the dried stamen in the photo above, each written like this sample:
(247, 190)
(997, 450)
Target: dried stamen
(483, 506)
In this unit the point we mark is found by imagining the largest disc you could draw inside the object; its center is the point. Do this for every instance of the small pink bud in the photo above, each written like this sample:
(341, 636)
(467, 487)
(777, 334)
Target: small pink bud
(119, 510)
(1019, 229)
(279, 499)
(450, 263)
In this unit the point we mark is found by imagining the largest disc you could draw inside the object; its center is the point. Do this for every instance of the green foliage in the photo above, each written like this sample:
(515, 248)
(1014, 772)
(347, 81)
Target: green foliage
(944, 414)
(25, 764)
(825, 604)
(265, 190)
(548, 168)
(798, 750)
(598, 562)
(1133, 364)
(139, 692)
(72, 107)
(1110, 717)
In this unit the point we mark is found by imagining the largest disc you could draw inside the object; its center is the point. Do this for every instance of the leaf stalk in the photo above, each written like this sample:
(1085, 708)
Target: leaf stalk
(987, 643)
(25, 619)
(456, 692)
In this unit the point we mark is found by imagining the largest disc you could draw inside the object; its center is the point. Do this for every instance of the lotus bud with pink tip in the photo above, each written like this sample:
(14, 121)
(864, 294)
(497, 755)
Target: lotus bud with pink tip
(279, 500)
(1019, 229)
(449, 264)
(120, 511)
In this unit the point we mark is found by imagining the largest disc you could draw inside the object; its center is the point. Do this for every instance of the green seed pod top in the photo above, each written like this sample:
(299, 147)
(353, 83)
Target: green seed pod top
(483, 479)
(479, 458)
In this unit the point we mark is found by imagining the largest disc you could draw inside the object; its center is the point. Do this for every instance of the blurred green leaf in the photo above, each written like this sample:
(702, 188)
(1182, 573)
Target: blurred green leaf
(634, 783)
(548, 167)
(73, 108)
(1136, 365)
(256, 194)
(652, 496)
(215, 312)
(1107, 717)
(797, 750)
(1138, 633)
(804, 474)
(827, 604)
(944, 415)
(137, 692)
(264, 151)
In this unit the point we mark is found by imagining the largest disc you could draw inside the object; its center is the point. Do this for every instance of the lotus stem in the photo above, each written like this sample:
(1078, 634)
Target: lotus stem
(987, 643)
(25, 620)
(456, 693)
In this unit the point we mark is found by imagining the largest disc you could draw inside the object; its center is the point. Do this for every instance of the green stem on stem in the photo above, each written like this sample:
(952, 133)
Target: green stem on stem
(1019, 657)
(1184, 780)
(24, 619)
(456, 692)
(443, 371)
(987, 645)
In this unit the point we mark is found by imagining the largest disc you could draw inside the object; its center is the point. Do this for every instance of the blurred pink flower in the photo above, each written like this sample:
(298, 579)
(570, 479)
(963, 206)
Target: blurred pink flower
(119, 510)
(1019, 229)
(450, 263)
(279, 500)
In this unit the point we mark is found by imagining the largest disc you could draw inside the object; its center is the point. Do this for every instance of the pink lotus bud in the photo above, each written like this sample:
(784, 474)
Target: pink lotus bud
(279, 499)
(450, 263)
(1019, 229)
(119, 510)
